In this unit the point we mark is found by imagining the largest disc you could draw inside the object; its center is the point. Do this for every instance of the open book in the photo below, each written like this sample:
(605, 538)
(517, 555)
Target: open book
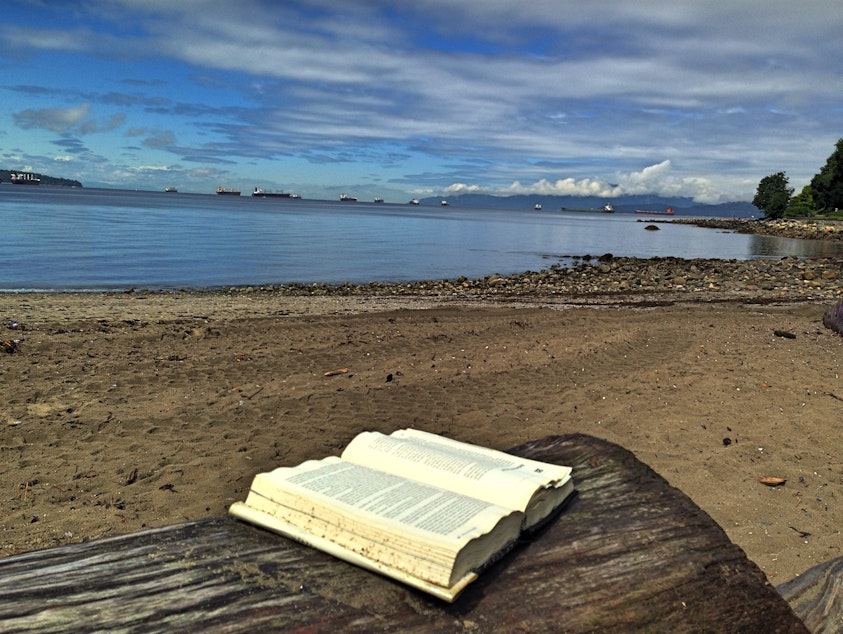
(426, 510)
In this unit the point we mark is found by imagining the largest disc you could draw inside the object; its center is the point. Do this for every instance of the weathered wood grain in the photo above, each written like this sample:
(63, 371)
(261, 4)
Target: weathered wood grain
(816, 596)
(833, 317)
(629, 553)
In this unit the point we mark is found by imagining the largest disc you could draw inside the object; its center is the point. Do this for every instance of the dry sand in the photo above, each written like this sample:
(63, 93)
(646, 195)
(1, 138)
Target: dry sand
(126, 411)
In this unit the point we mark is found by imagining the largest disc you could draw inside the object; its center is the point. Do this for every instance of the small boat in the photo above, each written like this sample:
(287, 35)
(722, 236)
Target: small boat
(171, 190)
(667, 212)
(222, 191)
(347, 199)
(24, 178)
(262, 193)
(608, 209)
(415, 201)
(378, 199)
(444, 203)
(537, 207)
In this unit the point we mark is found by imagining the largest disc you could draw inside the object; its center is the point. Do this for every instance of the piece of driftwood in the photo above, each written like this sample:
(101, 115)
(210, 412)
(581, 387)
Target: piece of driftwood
(833, 317)
(629, 553)
(817, 596)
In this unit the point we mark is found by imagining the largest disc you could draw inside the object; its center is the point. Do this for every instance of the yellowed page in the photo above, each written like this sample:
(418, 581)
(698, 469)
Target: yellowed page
(388, 548)
(244, 512)
(377, 547)
(362, 500)
(486, 474)
(428, 532)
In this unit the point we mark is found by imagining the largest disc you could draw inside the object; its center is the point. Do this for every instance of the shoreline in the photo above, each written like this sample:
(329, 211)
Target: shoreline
(589, 274)
(802, 229)
(594, 281)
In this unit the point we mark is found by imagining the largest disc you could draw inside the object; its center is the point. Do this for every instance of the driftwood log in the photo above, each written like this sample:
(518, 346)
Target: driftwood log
(817, 597)
(629, 553)
(833, 317)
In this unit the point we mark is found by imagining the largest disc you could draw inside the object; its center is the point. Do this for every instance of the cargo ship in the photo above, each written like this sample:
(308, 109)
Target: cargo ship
(262, 193)
(25, 178)
(222, 191)
(606, 209)
(667, 212)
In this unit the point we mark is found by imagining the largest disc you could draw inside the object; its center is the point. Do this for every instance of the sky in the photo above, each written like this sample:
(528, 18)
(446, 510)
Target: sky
(418, 98)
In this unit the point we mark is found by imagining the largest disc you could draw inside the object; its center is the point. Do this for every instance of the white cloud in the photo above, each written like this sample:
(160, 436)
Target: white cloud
(153, 168)
(653, 179)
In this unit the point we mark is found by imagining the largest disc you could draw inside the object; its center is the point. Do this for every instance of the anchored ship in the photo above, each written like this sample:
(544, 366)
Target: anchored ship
(25, 178)
(262, 193)
(667, 212)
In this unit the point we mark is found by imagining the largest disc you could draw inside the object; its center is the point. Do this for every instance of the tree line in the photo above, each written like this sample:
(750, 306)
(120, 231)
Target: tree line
(822, 196)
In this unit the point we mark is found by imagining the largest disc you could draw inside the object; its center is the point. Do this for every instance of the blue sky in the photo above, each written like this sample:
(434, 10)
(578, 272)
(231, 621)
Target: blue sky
(409, 99)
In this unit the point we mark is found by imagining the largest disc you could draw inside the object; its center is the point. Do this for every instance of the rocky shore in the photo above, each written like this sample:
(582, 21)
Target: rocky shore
(608, 279)
(801, 229)
(602, 280)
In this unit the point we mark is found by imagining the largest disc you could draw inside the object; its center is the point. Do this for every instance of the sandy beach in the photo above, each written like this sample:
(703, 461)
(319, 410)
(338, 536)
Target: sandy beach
(123, 411)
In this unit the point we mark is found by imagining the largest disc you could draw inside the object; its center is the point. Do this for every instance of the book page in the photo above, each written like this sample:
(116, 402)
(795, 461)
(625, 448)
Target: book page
(360, 496)
(437, 535)
(486, 474)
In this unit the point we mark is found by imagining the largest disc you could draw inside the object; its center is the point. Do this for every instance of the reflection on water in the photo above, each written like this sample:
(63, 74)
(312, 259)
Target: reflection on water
(55, 238)
(774, 246)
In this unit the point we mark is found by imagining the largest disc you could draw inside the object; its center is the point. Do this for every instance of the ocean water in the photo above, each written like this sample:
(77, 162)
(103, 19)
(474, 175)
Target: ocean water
(95, 239)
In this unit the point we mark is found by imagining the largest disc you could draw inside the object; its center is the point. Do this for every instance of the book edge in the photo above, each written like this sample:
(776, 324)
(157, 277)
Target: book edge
(244, 512)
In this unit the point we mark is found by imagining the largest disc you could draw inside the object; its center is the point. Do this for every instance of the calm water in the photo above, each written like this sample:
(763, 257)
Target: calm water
(83, 239)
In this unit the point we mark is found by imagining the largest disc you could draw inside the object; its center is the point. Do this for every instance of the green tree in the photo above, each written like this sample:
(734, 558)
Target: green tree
(827, 186)
(802, 204)
(773, 195)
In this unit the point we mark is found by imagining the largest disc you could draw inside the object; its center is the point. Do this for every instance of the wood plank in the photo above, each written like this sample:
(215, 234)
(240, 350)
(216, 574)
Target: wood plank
(630, 553)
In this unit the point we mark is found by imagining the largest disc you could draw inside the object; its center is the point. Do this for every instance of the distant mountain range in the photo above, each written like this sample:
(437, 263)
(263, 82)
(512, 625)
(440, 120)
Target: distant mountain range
(626, 204)
(6, 175)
